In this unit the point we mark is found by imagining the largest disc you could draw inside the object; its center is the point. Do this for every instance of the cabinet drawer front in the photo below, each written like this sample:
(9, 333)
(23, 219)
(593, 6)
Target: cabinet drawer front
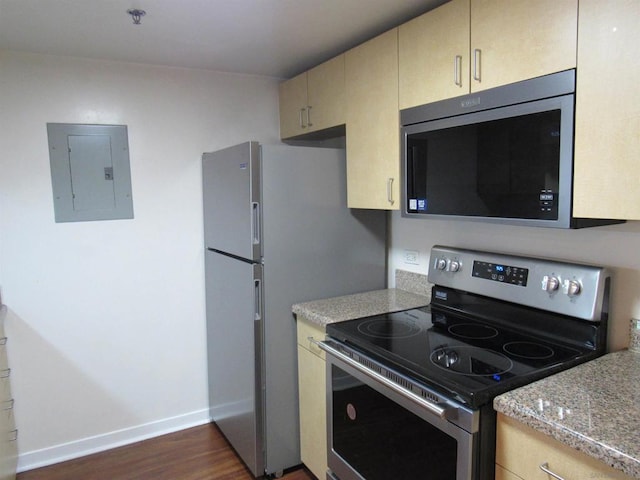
(521, 450)
(307, 331)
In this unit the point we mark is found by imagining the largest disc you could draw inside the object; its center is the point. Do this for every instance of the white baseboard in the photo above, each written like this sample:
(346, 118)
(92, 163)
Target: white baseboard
(106, 441)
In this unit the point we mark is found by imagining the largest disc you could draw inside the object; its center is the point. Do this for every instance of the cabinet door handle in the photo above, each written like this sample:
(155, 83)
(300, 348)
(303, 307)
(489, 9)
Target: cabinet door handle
(5, 373)
(309, 124)
(457, 70)
(8, 404)
(3, 341)
(390, 190)
(545, 468)
(477, 59)
(301, 119)
(13, 435)
(314, 343)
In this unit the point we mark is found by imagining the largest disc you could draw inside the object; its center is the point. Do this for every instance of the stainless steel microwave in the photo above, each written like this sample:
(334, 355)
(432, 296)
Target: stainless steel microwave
(502, 155)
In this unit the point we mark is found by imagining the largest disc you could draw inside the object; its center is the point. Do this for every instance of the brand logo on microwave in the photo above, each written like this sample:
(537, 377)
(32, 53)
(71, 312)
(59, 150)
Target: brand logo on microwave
(470, 102)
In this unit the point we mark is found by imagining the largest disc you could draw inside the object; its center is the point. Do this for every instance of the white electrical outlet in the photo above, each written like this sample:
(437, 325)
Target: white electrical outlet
(412, 257)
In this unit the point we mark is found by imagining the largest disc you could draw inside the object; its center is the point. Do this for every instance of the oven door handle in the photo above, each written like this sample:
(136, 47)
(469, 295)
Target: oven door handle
(434, 408)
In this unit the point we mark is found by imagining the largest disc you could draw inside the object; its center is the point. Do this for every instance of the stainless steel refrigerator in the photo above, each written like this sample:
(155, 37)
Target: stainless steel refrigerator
(277, 232)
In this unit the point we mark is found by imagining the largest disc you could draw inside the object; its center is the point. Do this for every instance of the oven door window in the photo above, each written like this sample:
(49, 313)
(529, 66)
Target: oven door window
(506, 163)
(380, 439)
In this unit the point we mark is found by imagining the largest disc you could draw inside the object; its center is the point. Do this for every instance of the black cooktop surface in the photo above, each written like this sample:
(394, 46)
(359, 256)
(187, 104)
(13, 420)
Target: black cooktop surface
(470, 359)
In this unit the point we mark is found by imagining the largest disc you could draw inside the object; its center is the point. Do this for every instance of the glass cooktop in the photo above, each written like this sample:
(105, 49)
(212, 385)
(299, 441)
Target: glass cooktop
(470, 359)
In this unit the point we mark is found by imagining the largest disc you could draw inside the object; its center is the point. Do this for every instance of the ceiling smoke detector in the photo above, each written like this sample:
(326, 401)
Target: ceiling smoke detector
(136, 15)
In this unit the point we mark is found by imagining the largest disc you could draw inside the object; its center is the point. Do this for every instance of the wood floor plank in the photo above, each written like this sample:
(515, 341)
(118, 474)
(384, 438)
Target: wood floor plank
(199, 453)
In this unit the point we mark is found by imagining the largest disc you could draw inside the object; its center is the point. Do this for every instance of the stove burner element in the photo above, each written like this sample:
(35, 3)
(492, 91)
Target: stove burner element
(388, 328)
(528, 350)
(471, 361)
(473, 331)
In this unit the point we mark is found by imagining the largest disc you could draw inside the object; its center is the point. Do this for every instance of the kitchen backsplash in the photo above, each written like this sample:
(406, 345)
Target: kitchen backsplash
(413, 282)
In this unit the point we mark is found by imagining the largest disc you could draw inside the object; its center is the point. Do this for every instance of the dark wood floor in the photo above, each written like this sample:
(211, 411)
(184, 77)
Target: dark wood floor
(199, 453)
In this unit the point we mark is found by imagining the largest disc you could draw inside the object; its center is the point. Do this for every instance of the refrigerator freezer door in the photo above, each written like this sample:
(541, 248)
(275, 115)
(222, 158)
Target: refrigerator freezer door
(234, 336)
(231, 183)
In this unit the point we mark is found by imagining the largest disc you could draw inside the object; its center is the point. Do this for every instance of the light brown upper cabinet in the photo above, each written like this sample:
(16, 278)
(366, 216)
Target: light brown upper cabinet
(434, 55)
(313, 100)
(607, 142)
(470, 45)
(373, 132)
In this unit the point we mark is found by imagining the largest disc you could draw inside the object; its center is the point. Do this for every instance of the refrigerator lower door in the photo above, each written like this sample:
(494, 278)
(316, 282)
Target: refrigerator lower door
(234, 332)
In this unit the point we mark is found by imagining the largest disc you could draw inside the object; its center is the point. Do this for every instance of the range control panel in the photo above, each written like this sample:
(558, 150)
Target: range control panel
(572, 289)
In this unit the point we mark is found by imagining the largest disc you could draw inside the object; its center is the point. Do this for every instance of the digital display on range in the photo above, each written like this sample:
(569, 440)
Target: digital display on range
(500, 273)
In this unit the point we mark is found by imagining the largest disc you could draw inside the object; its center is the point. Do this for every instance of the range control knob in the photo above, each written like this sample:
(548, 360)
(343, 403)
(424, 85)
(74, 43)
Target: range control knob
(441, 264)
(550, 284)
(454, 265)
(572, 288)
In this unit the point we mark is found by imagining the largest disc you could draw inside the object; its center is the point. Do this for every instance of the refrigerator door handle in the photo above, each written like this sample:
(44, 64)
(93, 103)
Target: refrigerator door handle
(255, 224)
(257, 300)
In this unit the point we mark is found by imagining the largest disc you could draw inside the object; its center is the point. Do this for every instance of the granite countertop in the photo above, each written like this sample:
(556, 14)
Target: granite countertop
(412, 291)
(358, 305)
(593, 407)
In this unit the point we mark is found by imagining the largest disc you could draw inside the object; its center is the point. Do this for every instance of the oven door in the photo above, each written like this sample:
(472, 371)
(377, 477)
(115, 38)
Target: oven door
(377, 430)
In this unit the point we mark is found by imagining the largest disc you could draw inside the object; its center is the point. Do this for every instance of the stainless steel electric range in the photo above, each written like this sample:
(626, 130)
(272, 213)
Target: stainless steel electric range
(409, 394)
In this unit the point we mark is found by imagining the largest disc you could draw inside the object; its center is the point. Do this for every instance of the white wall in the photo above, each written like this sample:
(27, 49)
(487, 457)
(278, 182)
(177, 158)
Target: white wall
(106, 321)
(615, 246)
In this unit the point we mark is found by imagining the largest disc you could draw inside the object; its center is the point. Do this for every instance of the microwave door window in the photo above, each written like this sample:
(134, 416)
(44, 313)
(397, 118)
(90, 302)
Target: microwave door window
(501, 168)
(519, 165)
(442, 167)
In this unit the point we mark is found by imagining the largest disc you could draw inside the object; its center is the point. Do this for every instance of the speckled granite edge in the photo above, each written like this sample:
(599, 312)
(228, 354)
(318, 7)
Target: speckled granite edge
(634, 335)
(413, 282)
(592, 408)
(347, 307)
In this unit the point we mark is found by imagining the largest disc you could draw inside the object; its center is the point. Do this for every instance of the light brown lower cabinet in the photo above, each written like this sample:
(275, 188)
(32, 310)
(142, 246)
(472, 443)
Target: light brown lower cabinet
(312, 398)
(521, 450)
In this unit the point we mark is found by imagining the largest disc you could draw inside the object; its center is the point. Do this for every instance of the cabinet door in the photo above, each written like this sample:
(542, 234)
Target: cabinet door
(504, 474)
(293, 102)
(513, 40)
(312, 398)
(607, 144)
(313, 411)
(434, 55)
(373, 130)
(326, 95)
(521, 450)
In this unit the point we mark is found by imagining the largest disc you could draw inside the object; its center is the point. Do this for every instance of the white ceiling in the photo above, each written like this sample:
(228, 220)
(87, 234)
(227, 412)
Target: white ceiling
(265, 37)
